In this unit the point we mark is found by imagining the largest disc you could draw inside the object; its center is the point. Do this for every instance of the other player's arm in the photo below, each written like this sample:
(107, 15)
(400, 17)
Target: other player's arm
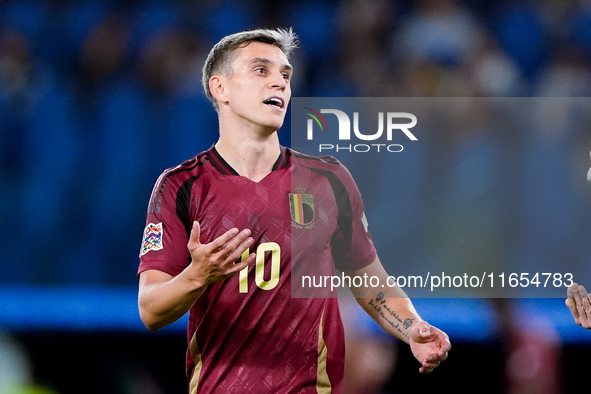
(163, 298)
(395, 313)
(579, 303)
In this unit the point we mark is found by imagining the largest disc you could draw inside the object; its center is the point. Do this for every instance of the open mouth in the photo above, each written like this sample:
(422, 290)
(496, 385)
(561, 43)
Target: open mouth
(275, 102)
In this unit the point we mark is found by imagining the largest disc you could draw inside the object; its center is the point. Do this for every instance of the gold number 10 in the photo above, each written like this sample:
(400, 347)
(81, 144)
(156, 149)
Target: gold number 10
(262, 250)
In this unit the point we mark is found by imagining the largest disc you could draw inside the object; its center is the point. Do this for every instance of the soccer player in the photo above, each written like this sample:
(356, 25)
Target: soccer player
(579, 303)
(226, 230)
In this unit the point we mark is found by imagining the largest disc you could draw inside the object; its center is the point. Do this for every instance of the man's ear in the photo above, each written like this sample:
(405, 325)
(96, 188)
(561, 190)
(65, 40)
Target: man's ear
(217, 88)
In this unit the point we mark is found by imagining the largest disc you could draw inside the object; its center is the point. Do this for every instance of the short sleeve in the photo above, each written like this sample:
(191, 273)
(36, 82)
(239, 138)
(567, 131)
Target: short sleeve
(165, 237)
(352, 246)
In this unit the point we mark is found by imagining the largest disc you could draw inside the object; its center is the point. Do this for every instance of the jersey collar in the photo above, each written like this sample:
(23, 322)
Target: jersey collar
(224, 168)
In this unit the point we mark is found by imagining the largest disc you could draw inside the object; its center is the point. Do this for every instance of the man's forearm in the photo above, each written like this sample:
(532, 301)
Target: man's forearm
(391, 308)
(394, 311)
(163, 302)
(395, 315)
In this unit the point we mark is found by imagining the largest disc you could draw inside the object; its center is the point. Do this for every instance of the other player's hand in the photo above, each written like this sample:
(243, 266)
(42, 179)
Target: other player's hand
(579, 303)
(217, 260)
(429, 345)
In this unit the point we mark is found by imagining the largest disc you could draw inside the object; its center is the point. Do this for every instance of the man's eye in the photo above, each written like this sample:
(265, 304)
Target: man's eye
(286, 76)
(260, 70)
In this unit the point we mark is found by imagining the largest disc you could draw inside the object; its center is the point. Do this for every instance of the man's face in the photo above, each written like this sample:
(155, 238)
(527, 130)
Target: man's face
(257, 91)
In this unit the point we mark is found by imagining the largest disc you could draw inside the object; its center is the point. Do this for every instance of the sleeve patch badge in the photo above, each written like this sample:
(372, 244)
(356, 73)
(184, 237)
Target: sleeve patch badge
(153, 234)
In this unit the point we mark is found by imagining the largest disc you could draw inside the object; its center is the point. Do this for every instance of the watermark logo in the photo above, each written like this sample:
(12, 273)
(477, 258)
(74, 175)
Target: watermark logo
(315, 117)
(393, 125)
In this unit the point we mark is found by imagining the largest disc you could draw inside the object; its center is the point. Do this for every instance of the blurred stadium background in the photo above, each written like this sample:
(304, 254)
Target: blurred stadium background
(98, 97)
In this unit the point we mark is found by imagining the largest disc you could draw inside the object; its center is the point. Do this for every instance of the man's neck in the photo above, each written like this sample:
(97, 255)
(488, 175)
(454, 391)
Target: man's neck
(250, 156)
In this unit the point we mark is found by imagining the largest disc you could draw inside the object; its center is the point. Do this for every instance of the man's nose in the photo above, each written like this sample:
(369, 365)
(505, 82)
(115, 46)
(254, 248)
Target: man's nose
(279, 81)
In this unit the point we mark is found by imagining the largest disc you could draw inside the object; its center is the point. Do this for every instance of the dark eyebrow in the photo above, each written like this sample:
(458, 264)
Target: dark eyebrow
(267, 61)
(287, 67)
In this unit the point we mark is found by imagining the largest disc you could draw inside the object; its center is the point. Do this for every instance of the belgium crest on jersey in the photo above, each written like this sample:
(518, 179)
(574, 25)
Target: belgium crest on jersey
(301, 208)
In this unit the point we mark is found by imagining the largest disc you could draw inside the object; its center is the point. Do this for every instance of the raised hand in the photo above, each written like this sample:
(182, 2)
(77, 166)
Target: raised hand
(216, 261)
(579, 303)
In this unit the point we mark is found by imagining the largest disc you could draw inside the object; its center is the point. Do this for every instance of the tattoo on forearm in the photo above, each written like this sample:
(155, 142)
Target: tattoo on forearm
(390, 316)
(407, 323)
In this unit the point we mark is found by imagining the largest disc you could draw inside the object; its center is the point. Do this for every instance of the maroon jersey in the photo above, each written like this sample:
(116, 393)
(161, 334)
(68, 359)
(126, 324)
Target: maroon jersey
(248, 334)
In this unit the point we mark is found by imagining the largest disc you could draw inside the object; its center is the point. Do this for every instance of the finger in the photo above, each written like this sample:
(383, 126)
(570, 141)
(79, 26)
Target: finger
(431, 365)
(420, 331)
(443, 356)
(425, 370)
(574, 299)
(575, 290)
(579, 302)
(235, 243)
(572, 305)
(243, 264)
(230, 256)
(217, 244)
(586, 304)
(425, 330)
(431, 360)
(195, 236)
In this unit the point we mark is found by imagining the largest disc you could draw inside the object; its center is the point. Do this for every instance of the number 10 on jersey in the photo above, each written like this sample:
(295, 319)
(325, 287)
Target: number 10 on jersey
(275, 260)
